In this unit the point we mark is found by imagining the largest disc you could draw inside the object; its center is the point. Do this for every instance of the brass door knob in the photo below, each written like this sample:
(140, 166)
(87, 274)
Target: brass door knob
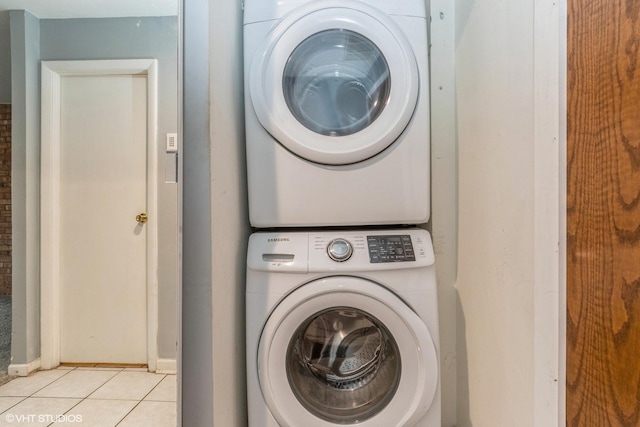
(142, 218)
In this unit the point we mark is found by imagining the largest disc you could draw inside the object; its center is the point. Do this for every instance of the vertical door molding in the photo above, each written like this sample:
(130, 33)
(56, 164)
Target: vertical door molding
(52, 72)
(549, 212)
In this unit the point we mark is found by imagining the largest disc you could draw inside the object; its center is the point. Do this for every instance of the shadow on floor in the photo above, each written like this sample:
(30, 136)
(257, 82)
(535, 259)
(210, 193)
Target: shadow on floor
(5, 337)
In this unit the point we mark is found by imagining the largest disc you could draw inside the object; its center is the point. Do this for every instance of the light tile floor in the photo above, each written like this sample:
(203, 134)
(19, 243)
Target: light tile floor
(89, 397)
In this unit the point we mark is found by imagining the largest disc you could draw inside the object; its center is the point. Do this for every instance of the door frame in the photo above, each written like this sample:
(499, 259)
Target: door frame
(52, 72)
(549, 244)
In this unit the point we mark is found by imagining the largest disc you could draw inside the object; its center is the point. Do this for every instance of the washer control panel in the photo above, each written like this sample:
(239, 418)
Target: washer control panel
(340, 251)
(394, 248)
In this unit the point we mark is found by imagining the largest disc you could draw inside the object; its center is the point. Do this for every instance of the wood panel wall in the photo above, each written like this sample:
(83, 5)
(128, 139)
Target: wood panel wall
(603, 208)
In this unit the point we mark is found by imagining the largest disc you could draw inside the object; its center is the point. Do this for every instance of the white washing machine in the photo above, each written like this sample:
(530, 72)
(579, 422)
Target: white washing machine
(337, 112)
(342, 329)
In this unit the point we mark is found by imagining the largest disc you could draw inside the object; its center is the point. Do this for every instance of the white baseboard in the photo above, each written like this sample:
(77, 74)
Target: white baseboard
(166, 366)
(23, 369)
(163, 366)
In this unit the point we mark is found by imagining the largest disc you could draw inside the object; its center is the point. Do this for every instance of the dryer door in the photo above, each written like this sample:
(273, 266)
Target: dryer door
(335, 82)
(344, 350)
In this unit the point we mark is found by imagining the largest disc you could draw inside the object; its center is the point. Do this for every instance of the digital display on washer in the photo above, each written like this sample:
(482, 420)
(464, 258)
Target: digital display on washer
(390, 248)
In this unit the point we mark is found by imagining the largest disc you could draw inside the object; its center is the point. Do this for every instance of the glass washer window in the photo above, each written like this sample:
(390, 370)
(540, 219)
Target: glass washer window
(343, 365)
(336, 82)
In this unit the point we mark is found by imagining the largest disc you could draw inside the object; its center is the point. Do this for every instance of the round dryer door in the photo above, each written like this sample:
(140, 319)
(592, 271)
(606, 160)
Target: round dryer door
(335, 82)
(344, 350)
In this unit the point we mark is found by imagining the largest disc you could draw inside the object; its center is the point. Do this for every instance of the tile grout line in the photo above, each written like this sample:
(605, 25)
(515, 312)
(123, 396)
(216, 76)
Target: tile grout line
(140, 401)
(31, 396)
(71, 397)
(23, 398)
(154, 387)
(128, 413)
(38, 390)
(66, 412)
(103, 384)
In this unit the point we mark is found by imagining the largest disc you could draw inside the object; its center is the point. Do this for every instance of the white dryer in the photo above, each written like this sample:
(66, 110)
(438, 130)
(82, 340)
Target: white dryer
(337, 112)
(342, 329)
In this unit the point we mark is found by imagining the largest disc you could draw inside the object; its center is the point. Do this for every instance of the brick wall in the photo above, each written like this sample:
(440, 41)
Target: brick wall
(5, 199)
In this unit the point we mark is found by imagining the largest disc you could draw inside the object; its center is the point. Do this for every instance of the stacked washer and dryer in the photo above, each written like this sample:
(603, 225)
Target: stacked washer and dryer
(341, 298)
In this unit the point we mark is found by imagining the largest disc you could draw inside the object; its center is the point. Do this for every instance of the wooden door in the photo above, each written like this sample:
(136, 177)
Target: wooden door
(603, 213)
(103, 187)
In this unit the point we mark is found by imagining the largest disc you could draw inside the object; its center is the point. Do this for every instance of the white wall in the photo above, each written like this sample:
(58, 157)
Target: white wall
(495, 282)
(508, 123)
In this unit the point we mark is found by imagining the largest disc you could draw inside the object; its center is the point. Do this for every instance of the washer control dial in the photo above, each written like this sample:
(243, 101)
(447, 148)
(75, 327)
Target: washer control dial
(339, 250)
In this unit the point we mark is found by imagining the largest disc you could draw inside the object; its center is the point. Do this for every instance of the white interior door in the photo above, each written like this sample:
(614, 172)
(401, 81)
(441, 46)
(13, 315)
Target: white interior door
(103, 187)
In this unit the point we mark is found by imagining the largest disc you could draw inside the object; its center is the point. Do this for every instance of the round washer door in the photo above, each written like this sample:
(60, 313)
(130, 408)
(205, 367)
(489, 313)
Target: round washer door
(347, 351)
(335, 82)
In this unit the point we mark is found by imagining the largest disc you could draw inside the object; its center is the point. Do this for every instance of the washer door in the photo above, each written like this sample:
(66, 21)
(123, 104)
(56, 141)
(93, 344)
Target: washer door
(335, 82)
(344, 350)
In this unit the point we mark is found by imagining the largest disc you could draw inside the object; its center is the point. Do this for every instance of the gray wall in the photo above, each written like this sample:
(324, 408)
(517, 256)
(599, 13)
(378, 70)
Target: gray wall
(197, 333)
(72, 39)
(216, 225)
(229, 212)
(25, 173)
(5, 59)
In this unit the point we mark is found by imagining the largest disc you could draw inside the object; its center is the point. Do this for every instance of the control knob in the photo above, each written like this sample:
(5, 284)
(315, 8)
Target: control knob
(339, 250)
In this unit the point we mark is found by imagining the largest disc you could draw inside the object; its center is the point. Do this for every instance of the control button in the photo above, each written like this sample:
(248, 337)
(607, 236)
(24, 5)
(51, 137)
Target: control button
(339, 250)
